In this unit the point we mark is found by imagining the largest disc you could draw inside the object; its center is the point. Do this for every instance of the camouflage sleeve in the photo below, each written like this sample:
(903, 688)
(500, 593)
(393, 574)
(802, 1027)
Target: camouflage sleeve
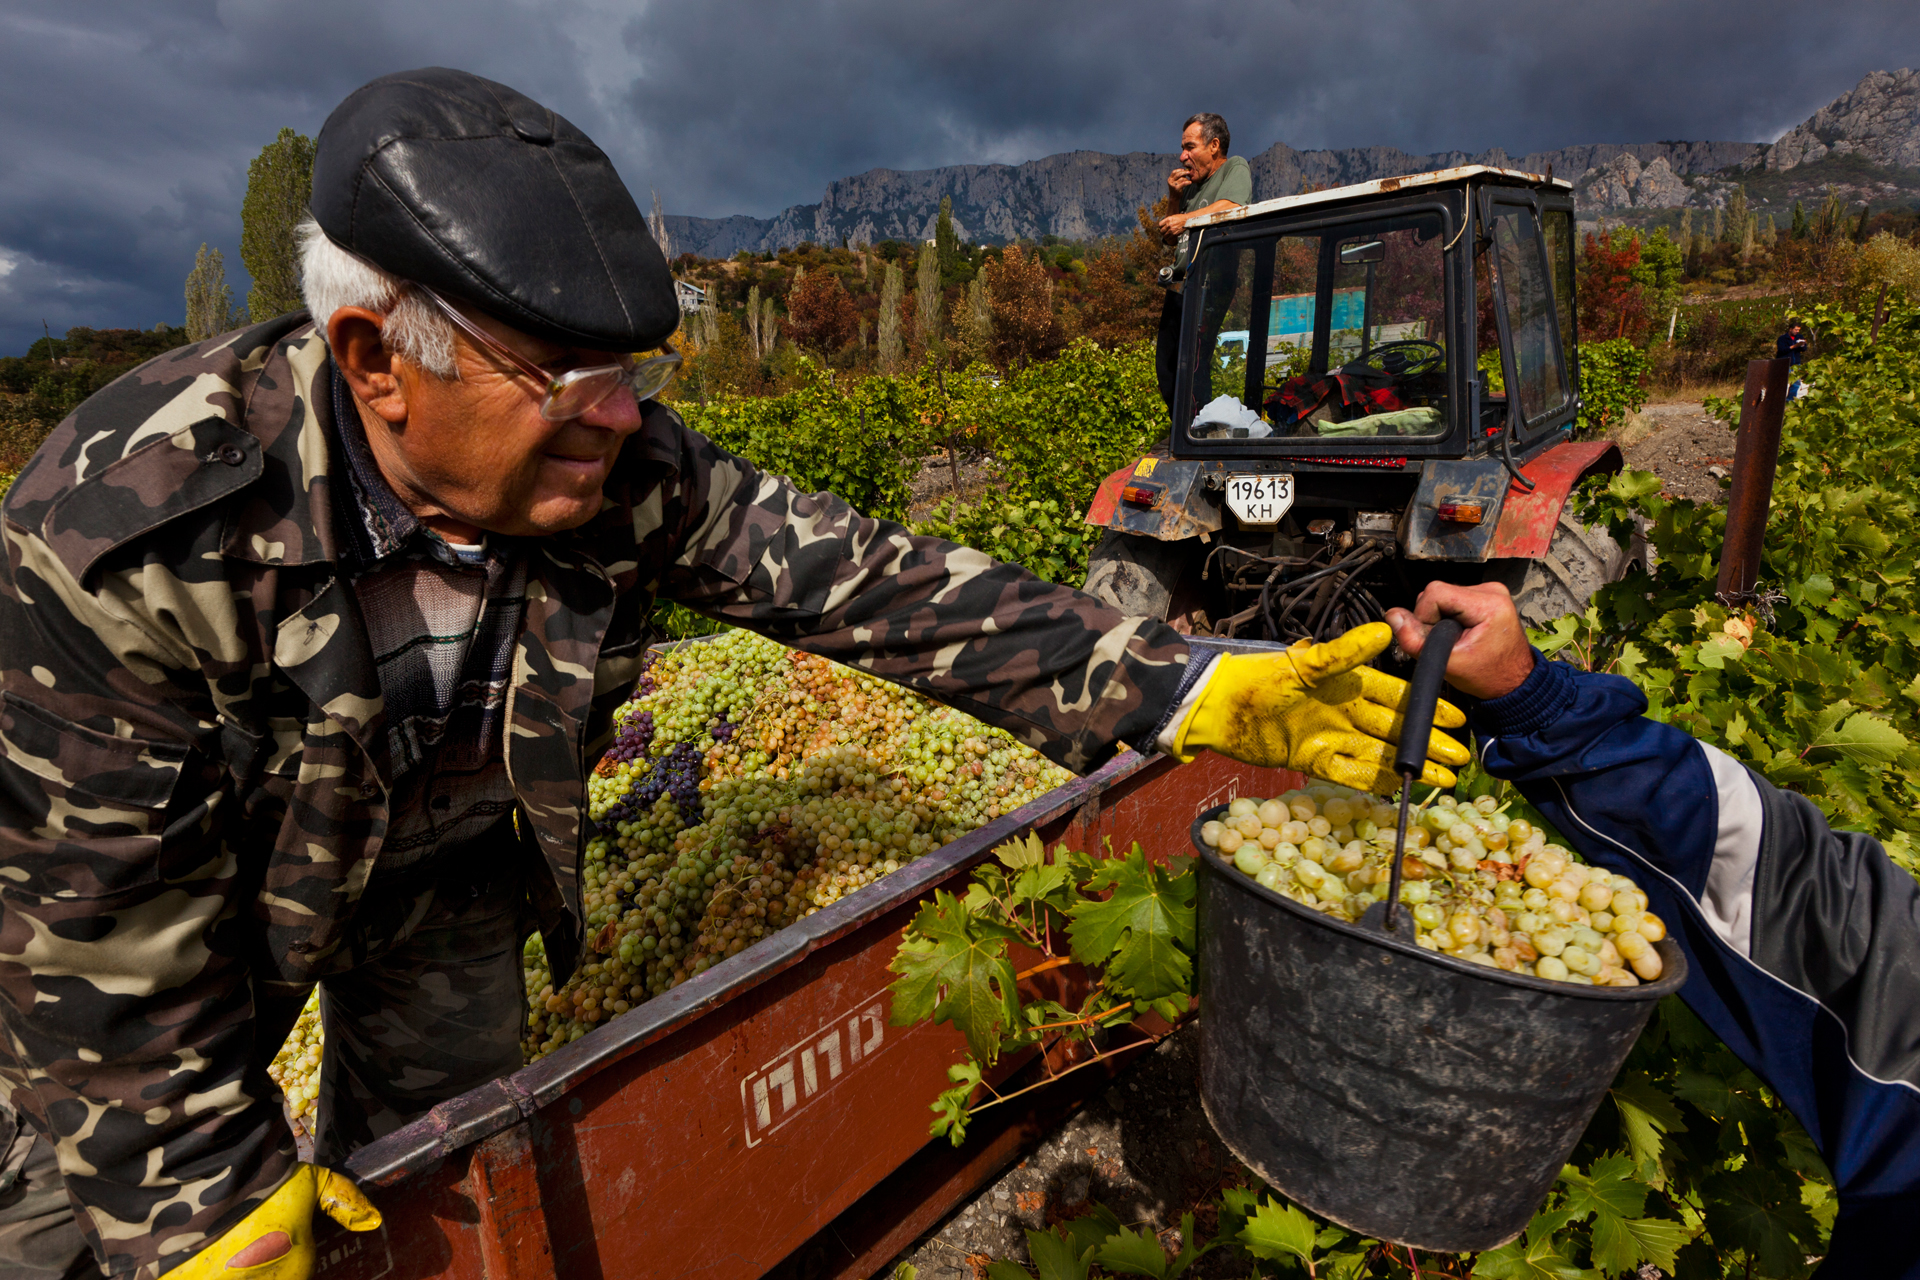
(126, 1030)
(1055, 667)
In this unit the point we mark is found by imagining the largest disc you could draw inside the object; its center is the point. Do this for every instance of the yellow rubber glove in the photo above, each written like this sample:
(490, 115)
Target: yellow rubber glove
(1318, 709)
(275, 1241)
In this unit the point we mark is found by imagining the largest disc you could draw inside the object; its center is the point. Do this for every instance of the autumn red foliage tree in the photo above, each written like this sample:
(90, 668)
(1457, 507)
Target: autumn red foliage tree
(820, 314)
(1612, 302)
(1020, 295)
(1114, 310)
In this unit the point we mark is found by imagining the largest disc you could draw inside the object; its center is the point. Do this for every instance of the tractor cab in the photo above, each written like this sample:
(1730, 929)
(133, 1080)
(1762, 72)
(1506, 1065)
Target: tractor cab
(1388, 364)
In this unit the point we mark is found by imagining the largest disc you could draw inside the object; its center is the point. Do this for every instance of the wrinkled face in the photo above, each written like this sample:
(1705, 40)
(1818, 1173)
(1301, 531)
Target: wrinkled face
(476, 451)
(1200, 157)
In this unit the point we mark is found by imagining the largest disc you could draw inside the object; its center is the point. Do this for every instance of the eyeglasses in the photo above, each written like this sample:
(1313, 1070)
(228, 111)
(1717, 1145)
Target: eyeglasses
(577, 391)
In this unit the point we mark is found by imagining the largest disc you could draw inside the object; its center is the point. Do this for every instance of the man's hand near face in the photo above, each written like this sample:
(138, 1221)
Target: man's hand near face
(1492, 657)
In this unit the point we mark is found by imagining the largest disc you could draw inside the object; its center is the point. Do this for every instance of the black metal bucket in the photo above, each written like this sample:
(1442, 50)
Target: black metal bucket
(1401, 1093)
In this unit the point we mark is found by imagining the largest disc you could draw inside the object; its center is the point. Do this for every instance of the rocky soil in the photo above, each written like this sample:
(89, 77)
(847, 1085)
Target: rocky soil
(1688, 450)
(1144, 1149)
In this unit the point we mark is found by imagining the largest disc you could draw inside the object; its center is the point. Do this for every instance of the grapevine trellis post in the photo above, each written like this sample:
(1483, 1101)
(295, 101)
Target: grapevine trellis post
(1763, 405)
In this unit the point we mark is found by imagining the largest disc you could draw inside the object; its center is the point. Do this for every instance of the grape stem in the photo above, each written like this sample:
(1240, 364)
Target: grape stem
(1055, 963)
(1098, 1057)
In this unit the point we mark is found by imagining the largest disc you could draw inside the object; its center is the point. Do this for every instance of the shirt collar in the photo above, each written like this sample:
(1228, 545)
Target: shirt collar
(379, 524)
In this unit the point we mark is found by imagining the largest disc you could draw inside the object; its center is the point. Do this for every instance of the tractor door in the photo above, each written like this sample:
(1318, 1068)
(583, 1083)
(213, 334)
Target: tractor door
(1524, 272)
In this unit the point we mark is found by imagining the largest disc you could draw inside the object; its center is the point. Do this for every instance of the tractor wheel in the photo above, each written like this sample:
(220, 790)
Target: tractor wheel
(1579, 561)
(1135, 574)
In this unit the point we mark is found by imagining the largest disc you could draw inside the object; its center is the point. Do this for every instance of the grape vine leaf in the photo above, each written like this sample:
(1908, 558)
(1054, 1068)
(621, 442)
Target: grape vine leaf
(1865, 738)
(1143, 931)
(950, 1105)
(1646, 1115)
(1058, 1259)
(1534, 1256)
(1090, 1230)
(953, 967)
(1277, 1232)
(1015, 854)
(1776, 1231)
(1009, 1271)
(1133, 1253)
(1622, 1239)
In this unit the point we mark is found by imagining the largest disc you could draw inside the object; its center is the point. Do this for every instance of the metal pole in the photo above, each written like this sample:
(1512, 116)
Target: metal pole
(1762, 406)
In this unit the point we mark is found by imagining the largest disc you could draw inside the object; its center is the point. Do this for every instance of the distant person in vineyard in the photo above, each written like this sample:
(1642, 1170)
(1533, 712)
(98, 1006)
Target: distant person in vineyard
(311, 633)
(1792, 346)
(1802, 942)
(1208, 180)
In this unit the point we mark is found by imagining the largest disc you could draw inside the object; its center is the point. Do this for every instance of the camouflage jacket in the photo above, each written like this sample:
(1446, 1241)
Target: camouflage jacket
(193, 763)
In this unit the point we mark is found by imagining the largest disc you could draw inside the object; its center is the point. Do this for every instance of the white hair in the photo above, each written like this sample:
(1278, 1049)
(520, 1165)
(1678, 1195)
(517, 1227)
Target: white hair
(332, 277)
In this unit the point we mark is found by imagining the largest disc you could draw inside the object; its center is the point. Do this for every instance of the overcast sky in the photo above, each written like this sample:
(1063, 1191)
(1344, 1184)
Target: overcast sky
(126, 125)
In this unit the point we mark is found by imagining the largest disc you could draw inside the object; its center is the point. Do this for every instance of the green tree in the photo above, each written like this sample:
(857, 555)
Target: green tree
(209, 296)
(1658, 273)
(945, 243)
(926, 303)
(279, 184)
(1735, 229)
(893, 347)
(1799, 228)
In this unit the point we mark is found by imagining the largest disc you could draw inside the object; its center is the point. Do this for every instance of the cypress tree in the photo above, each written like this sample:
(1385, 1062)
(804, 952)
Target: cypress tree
(945, 243)
(279, 184)
(1798, 228)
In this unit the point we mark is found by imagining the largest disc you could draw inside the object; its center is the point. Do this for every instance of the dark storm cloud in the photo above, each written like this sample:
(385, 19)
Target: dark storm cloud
(128, 126)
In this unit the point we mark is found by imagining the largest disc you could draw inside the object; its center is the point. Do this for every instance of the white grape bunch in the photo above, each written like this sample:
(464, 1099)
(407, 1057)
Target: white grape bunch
(749, 785)
(296, 1068)
(1480, 885)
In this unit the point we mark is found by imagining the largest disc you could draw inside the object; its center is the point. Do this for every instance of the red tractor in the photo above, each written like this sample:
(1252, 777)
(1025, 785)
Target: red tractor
(1378, 387)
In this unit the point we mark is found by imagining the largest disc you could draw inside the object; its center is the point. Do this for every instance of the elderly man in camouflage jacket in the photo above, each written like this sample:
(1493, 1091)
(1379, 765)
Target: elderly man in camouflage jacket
(311, 632)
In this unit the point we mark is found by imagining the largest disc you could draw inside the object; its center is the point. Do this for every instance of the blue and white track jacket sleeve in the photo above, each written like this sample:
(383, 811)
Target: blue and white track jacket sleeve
(1803, 942)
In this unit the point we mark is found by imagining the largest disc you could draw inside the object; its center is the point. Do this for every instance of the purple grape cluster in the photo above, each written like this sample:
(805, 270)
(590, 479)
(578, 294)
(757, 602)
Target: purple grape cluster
(646, 685)
(723, 730)
(632, 739)
(676, 774)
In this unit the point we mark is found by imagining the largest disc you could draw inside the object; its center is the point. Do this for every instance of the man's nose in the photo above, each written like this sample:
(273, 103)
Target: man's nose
(618, 412)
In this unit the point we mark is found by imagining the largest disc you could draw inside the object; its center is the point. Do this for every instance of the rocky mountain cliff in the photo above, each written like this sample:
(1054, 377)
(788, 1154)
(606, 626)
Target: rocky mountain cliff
(1083, 195)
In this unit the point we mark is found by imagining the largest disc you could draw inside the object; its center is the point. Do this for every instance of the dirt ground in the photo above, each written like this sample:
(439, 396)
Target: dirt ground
(1144, 1149)
(934, 484)
(1683, 446)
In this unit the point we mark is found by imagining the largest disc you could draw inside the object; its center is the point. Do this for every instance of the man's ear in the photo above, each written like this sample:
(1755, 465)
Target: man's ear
(354, 337)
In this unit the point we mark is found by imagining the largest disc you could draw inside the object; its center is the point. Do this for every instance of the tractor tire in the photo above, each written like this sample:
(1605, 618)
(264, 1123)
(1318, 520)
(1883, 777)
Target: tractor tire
(1137, 575)
(1579, 561)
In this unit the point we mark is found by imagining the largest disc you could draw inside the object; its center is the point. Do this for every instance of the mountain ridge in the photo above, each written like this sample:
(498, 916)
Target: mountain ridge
(1084, 195)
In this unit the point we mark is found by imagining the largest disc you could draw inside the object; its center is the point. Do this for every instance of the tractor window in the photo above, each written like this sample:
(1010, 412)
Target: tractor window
(1558, 224)
(1337, 334)
(1530, 305)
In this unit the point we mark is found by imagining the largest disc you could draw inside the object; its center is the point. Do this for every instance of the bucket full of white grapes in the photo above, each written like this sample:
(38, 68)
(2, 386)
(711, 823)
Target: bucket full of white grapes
(1424, 1085)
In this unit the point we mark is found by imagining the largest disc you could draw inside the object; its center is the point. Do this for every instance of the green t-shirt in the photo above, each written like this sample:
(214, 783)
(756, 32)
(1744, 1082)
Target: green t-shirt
(1233, 180)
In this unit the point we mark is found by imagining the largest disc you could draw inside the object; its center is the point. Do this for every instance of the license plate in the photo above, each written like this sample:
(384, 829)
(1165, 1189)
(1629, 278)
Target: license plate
(1259, 499)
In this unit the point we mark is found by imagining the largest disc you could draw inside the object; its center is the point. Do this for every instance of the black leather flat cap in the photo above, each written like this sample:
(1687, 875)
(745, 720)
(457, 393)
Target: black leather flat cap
(479, 192)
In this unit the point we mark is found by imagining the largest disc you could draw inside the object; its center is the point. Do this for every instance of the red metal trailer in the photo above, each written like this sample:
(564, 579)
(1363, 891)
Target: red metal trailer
(749, 1117)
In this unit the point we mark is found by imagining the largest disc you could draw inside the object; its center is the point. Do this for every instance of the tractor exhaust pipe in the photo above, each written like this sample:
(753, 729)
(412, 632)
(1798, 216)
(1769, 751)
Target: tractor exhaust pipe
(1763, 405)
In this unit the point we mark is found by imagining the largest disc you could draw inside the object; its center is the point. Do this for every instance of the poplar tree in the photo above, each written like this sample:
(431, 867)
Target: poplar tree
(893, 347)
(753, 320)
(926, 315)
(769, 332)
(279, 184)
(945, 243)
(209, 296)
(1735, 231)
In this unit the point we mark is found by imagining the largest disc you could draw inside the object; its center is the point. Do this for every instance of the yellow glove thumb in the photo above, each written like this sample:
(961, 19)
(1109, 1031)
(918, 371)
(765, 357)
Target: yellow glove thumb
(275, 1241)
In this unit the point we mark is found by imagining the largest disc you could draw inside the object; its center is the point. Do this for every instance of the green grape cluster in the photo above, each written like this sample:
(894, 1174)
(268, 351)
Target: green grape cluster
(296, 1068)
(1480, 885)
(813, 781)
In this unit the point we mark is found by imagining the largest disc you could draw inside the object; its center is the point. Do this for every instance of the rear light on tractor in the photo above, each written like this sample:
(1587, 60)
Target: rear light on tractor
(1461, 512)
(1141, 495)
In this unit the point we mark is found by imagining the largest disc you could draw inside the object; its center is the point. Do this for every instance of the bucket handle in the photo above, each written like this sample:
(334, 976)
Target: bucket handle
(1416, 727)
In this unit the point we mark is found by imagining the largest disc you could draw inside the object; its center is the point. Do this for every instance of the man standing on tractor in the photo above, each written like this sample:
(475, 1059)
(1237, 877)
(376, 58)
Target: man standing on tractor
(1207, 181)
(311, 633)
